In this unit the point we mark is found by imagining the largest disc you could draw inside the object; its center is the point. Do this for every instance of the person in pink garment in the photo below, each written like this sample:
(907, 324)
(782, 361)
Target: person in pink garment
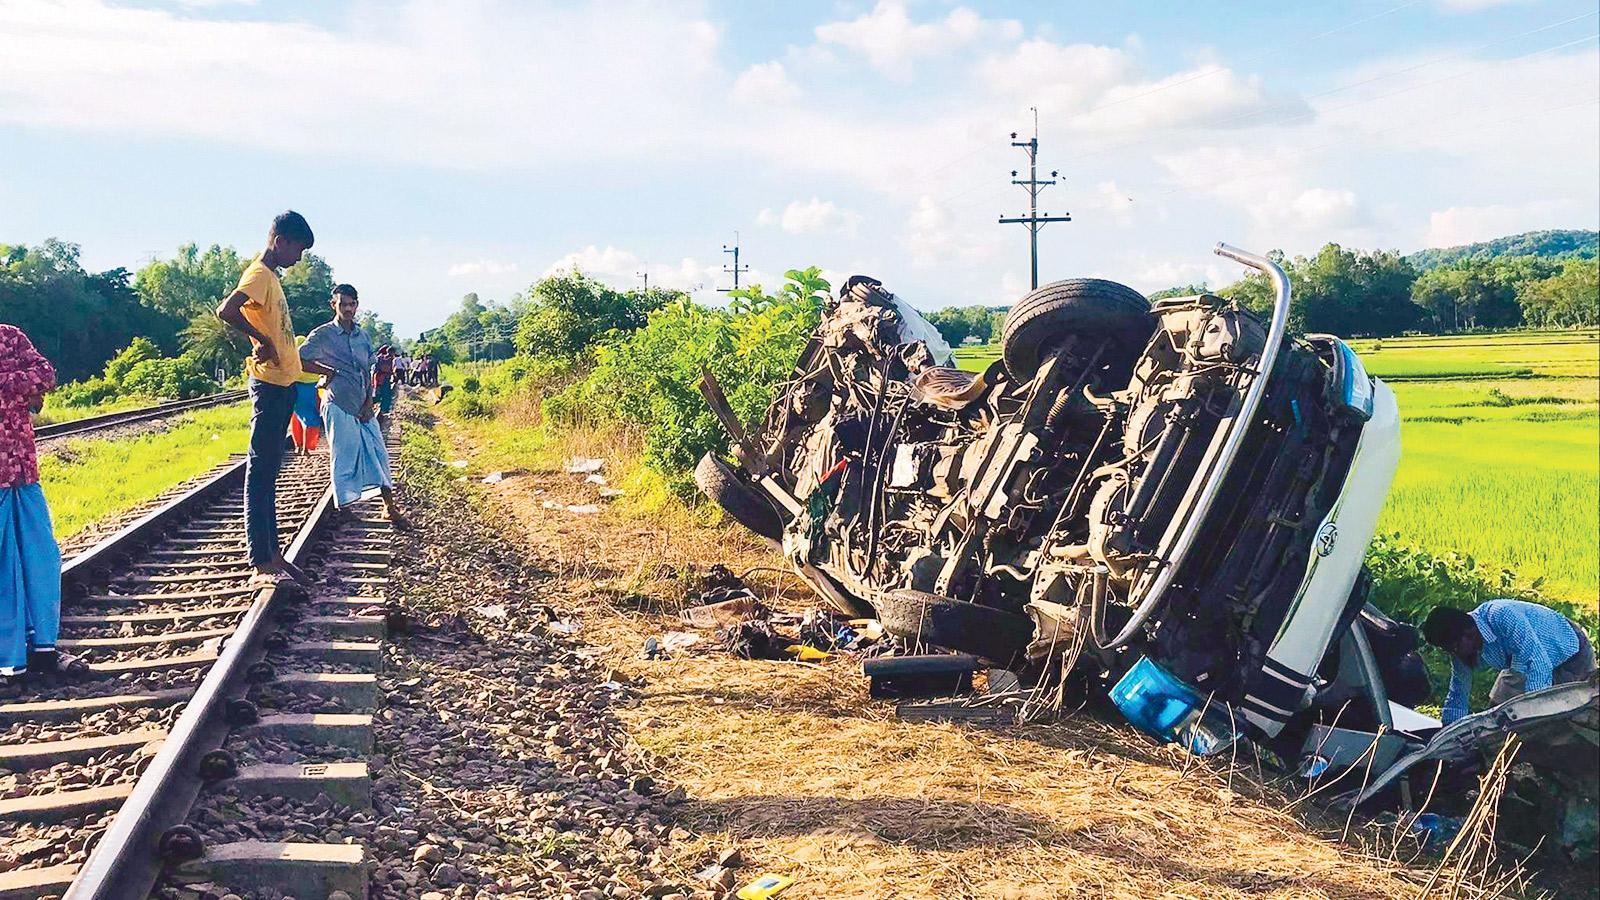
(30, 560)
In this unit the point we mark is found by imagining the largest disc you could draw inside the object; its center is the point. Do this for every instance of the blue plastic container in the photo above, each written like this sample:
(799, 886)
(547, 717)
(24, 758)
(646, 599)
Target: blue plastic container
(1155, 701)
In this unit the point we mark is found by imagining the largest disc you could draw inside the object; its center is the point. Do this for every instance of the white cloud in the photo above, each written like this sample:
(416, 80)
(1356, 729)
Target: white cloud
(1324, 207)
(1102, 89)
(935, 236)
(621, 268)
(1469, 224)
(1110, 202)
(482, 267)
(489, 84)
(814, 216)
(1058, 76)
(1162, 275)
(765, 83)
(888, 39)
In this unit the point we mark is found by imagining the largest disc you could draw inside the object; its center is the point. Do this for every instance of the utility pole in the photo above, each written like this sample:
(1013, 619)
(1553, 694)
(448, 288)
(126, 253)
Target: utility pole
(736, 269)
(646, 276)
(1033, 185)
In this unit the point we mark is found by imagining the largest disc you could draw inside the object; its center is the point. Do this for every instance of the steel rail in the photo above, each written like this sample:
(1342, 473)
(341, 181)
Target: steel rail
(1230, 448)
(129, 416)
(126, 862)
(149, 524)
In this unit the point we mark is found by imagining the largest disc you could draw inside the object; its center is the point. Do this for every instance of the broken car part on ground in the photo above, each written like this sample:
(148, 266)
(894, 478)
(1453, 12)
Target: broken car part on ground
(1174, 500)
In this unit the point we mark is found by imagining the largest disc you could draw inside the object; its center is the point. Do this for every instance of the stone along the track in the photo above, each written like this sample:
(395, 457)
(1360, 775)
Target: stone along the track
(293, 819)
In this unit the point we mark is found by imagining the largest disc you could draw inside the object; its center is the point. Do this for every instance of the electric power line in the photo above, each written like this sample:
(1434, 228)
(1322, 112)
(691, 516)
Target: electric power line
(735, 268)
(1033, 186)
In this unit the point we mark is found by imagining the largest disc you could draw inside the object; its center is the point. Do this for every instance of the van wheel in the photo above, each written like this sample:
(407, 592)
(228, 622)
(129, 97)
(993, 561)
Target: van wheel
(1090, 308)
(720, 482)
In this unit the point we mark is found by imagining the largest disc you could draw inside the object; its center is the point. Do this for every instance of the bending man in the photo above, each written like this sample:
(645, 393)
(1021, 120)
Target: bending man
(360, 462)
(1533, 646)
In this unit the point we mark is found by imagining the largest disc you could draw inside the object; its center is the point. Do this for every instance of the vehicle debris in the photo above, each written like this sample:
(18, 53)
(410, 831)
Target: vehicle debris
(954, 711)
(921, 675)
(583, 465)
(765, 887)
(1122, 485)
(722, 613)
(752, 639)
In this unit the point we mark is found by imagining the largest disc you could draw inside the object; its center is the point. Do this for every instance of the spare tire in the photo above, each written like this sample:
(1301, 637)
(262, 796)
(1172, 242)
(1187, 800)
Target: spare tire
(720, 482)
(993, 634)
(1088, 307)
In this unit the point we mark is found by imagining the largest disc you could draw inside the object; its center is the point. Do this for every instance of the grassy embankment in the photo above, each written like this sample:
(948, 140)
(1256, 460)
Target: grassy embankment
(87, 480)
(54, 413)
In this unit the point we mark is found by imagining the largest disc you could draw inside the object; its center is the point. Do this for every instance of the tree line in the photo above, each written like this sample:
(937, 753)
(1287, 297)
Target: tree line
(1362, 293)
(1378, 293)
(84, 321)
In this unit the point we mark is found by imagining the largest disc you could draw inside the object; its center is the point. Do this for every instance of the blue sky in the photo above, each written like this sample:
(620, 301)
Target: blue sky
(446, 147)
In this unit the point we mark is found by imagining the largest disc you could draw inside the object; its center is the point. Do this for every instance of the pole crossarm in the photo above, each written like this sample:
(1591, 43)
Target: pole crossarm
(1033, 184)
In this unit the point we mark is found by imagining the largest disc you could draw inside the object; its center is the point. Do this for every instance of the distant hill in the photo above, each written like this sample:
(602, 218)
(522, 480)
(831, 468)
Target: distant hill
(1565, 242)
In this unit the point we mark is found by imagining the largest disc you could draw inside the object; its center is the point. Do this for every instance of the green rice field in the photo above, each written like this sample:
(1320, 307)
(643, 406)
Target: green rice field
(1501, 453)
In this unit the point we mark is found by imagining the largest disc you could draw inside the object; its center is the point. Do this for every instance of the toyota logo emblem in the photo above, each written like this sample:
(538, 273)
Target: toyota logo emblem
(1327, 536)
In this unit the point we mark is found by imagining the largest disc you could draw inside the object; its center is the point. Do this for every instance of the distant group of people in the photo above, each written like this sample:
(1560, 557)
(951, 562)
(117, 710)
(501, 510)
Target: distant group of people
(417, 371)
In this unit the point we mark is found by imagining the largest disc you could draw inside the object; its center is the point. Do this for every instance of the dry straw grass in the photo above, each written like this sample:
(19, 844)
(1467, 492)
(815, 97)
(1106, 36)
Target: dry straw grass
(794, 764)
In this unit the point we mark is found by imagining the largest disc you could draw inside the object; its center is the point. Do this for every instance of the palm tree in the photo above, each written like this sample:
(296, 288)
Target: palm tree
(207, 339)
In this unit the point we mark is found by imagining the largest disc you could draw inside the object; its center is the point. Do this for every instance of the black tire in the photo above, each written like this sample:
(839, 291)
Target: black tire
(720, 482)
(993, 634)
(1088, 307)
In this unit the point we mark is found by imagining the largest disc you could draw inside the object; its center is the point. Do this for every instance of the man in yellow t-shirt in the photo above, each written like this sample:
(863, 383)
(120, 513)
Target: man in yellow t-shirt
(258, 308)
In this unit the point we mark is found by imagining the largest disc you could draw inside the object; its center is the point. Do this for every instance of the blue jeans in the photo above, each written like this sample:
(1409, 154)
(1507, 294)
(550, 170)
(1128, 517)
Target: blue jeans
(270, 408)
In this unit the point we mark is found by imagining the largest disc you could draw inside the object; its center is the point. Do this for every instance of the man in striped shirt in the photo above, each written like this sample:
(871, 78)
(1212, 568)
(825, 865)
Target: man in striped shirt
(1532, 646)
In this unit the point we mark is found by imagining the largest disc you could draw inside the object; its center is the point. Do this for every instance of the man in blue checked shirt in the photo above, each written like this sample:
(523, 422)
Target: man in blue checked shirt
(1533, 646)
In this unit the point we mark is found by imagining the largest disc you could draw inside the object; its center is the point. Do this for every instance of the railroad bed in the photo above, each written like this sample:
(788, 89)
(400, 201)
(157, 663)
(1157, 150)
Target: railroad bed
(207, 704)
(113, 420)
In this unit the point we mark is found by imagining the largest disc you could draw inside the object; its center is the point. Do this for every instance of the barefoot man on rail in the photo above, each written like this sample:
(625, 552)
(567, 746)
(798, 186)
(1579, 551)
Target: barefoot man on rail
(258, 308)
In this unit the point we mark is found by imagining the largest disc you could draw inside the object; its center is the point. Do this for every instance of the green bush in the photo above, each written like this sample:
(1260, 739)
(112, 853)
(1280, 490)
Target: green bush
(649, 378)
(88, 392)
(138, 351)
(167, 379)
(470, 404)
(568, 313)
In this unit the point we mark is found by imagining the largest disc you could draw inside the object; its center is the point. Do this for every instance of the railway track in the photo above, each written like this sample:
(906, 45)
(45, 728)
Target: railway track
(90, 424)
(199, 687)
